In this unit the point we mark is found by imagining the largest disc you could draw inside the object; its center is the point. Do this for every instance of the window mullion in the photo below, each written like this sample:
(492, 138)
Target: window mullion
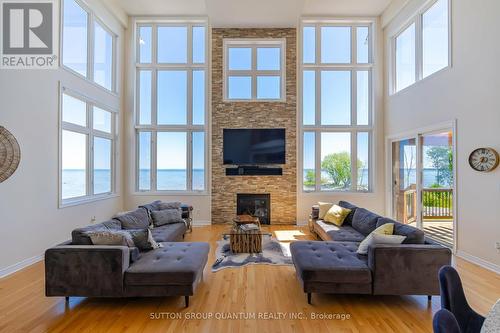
(418, 48)
(317, 164)
(354, 160)
(90, 46)
(189, 161)
(90, 151)
(154, 151)
(254, 72)
(354, 97)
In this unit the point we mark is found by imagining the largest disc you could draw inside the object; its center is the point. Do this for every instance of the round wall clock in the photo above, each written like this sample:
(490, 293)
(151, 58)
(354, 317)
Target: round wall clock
(10, 154)
(484, 159)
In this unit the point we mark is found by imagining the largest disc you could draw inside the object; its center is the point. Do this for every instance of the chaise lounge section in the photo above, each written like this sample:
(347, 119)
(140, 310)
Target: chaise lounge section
(334, 266)
(79, 268)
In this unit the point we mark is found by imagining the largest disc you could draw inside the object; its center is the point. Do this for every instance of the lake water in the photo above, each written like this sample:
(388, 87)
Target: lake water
(74, 181)
(172, 180)
(429, 177)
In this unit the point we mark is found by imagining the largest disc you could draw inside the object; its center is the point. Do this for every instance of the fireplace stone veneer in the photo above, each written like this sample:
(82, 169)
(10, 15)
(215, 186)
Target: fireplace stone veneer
(282, 188)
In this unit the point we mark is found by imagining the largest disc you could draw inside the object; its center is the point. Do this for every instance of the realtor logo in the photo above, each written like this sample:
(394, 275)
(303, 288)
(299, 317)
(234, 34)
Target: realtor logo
(29, 34)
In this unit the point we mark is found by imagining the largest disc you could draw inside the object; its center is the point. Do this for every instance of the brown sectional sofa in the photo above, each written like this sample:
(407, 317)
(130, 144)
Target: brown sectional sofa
(333, 265)
(79, 268)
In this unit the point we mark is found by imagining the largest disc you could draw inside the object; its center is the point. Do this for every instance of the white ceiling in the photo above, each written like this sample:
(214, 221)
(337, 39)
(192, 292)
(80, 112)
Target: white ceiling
(253, 13)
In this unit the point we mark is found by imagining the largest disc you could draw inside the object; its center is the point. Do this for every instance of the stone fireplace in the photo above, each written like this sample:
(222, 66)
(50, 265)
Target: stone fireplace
(282, 188)
(258, 205)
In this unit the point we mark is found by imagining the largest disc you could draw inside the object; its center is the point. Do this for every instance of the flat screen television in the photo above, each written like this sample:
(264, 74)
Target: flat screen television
(254, 146)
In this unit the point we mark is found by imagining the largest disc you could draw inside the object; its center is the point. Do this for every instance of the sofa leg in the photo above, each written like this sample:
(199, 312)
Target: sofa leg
(429, 298)
(186, 300)
(309, 298)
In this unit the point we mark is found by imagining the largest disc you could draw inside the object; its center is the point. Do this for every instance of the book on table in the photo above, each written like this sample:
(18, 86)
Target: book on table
(249, 227)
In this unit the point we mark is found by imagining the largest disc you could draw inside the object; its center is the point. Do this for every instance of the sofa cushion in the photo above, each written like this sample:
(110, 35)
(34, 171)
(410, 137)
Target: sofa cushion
(166, 216)
(331, 262)
(79, 236)
(336, 215)
(169, 232)
(173, 264)
(364, 221)
(344, 233)
(136, 219)
(348, 205)
(413, 235)
(111, 237)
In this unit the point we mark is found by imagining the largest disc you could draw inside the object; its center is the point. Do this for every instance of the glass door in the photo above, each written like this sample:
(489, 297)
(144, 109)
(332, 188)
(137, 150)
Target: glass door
(436, 151)
(404, 180)
(423, 184)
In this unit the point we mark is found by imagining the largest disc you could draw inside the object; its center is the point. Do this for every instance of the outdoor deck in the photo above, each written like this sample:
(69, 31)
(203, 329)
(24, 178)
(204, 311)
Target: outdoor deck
(439, 230)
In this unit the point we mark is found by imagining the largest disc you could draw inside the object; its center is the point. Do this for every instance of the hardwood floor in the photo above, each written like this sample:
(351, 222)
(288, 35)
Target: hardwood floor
(258, 289)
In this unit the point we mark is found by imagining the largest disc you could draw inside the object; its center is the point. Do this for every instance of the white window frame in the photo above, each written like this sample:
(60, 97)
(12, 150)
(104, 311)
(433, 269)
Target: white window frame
(91, 19)
(154, 128)
(254, 44)
(353, 128)
(417, 19)
(90, 133)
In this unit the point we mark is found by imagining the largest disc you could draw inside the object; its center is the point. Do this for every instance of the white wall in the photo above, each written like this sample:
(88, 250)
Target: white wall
(30, 220)
(467, 92)
(374, 200)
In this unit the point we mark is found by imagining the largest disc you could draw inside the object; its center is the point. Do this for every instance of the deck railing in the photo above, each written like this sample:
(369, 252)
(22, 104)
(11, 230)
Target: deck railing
(437, 204)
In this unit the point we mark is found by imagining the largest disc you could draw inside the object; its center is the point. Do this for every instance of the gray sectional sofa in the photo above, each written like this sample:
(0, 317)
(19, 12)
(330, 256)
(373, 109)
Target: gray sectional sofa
(79, 268)
(333, 265)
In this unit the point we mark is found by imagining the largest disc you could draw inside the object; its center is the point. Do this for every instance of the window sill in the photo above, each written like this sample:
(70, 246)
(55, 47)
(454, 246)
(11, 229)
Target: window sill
(86, 200)
(333, 192)
(417, 83)
(171, 193)
(93, 83)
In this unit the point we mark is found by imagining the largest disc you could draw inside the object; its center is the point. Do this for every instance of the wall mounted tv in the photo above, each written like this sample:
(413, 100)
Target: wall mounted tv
(254, 146)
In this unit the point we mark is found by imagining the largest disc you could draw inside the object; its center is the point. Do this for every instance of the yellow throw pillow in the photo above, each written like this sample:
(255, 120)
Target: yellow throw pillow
(384, 229)
(323, 209)
(336, 215)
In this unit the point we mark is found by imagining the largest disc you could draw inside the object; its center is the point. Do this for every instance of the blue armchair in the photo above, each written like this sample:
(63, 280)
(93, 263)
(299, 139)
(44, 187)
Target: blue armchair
(444, 322)
(453, 299)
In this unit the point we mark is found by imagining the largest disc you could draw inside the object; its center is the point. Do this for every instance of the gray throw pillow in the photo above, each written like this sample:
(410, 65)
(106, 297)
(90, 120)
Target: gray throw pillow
(136, 219)
(143, 239)
(111, 237)
(168, 205)
(166, 216)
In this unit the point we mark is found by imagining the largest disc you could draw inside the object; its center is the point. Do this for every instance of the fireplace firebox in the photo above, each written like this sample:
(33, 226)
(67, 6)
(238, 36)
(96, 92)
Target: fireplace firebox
(258, 205)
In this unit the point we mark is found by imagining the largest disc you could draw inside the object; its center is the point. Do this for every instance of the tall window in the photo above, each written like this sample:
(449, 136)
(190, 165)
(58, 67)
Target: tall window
(422, 47)
(82, 32)
(336, 125)
(171, 109)
(254, 69)
(87, 149)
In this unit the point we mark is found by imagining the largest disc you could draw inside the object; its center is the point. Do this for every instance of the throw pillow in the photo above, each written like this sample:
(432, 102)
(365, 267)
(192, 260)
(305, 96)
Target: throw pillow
(137, 219)
(169, 205)
(143, 239)
(166, 216)
(111, 237)
(336, 215)
(323, 208)
(385, 229)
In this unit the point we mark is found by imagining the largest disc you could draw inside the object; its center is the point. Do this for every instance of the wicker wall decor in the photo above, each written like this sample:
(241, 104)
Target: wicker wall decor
(10, 154)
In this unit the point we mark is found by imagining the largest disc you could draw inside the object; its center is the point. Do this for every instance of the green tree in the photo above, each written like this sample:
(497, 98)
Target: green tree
(309, 178)
(338, 167)
(442, 160)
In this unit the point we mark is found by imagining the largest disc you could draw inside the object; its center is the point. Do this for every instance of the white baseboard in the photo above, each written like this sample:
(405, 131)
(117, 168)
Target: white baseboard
(478, 261)
(201, 223)
(20, 265)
